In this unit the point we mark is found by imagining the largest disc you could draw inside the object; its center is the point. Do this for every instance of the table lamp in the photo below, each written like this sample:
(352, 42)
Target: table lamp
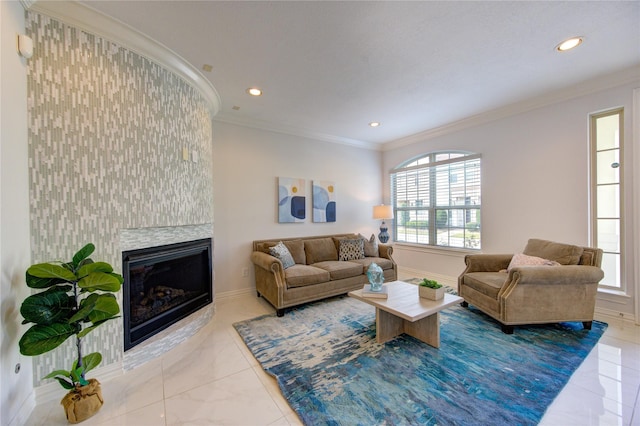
(383, 212)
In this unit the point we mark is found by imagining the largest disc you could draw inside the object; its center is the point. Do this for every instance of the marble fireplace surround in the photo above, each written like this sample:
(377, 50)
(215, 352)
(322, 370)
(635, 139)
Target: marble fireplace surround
(132, 239)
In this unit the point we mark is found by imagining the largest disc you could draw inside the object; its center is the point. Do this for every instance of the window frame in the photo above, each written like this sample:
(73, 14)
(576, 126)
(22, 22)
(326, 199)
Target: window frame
(593, 191)
(431, 166)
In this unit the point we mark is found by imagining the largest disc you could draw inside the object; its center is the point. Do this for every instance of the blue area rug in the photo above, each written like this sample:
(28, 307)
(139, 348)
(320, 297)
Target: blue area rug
(332, 371)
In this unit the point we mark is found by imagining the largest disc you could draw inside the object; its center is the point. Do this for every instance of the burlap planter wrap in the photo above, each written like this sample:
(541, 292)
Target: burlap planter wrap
(83, 402)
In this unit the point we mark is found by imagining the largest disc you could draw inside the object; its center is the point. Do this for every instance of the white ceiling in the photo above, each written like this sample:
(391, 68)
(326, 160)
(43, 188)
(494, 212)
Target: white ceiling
(328, 68)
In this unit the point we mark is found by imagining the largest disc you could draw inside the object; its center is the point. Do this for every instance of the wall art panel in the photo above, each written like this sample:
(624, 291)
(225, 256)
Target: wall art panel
(324, 201)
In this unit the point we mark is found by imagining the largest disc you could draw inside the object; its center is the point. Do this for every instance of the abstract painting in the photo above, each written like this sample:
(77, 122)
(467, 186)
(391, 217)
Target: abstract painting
(324, 201)
(291, 200)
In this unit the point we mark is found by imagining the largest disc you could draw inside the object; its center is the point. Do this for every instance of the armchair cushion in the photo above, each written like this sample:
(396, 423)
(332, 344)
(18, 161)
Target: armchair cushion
(487, 283)
(564, 254)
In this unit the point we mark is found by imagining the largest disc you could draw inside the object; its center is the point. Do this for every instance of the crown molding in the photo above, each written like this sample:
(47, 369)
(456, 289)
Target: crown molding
(295, 131)
(27, 3)
(619, 78)
(94, 22)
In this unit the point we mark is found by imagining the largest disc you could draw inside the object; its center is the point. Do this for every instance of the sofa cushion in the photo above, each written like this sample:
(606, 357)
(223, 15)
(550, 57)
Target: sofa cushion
(303, 275)
(520, 259)
(370, 246)
(351, 249)
(296, 248)
(282, 252)
(265, 246)
(320, 250)
(564, 254)
(339, 269)
(487, 283)
(380, 261)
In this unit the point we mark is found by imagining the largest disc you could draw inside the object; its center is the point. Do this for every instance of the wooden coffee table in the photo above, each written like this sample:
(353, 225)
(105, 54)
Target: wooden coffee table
(406, 312)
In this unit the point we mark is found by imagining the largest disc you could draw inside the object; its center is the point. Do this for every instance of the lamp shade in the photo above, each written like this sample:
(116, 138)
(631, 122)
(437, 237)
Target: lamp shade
(382, 212)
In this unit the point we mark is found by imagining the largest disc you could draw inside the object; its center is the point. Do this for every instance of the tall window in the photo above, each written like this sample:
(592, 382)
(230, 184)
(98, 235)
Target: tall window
(436, 200)
(606, 193)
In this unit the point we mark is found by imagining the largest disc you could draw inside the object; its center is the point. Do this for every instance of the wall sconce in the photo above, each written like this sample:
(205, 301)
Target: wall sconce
(383, 212)
(25, 46)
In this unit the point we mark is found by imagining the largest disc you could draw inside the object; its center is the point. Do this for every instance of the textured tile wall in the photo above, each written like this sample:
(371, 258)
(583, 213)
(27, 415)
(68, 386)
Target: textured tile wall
(106, 132)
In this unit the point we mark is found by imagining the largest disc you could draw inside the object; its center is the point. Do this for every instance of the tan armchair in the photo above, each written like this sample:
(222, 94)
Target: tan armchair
(534, 294)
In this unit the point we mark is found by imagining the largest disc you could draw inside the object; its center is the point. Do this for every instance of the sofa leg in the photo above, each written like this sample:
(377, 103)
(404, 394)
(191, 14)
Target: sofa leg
(587, 325)
(507, 329)
(258, 293)
(464, 304)
(280, 312)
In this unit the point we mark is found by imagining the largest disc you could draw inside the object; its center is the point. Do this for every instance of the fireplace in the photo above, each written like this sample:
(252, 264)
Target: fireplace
(163, 285)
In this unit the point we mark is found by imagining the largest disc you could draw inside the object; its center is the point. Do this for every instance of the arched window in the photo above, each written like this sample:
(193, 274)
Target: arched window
(436, 200)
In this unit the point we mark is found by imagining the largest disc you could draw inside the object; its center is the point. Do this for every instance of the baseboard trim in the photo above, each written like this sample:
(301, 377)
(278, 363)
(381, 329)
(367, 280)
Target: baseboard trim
(609, 315)
(235, 293)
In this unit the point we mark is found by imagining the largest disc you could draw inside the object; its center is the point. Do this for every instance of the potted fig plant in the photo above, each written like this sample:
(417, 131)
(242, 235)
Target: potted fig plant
(78, 298)
(431, 289)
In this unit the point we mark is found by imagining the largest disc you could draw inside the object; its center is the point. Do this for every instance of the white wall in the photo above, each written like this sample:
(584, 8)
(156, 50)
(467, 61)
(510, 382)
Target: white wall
(247, 163)
(15, 389)
(534, 180)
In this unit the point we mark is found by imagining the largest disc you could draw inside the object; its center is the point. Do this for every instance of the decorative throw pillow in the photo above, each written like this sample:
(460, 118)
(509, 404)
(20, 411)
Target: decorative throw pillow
(351, 249)
(524, 260)
(370, 245)
(282, 252)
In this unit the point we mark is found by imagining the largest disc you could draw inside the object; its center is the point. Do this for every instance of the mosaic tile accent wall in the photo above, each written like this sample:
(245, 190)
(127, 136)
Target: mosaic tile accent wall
(107, 128)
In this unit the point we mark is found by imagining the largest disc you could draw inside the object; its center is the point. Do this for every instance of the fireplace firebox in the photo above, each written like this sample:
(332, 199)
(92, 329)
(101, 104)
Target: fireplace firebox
(163, 285)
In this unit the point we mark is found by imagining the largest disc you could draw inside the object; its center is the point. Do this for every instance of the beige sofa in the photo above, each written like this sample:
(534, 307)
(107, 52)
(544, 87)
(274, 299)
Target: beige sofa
(521, 289)
(317, 273)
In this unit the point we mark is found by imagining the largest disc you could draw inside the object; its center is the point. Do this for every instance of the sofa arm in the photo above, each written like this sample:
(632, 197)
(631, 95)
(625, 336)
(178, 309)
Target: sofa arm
(556, 275)
(486, 262)
(385, 250)
(268, 263)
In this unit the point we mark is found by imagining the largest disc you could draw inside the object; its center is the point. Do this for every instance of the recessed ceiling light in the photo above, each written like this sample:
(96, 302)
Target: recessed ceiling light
(254, 91)
(569, 44)
(374, 124)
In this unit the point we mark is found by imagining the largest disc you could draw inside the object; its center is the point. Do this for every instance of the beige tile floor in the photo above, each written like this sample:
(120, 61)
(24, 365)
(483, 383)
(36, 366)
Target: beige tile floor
(212, 379)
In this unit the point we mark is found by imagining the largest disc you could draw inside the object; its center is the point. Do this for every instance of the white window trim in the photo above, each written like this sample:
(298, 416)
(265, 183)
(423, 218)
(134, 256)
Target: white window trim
(623, 289)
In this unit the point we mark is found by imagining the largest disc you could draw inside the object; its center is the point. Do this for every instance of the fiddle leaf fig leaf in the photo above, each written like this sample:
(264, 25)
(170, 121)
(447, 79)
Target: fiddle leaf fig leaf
(83, 254)
(65, 383)
(91, 361)
(76, 374)
(48, 307)
(99, 281)
(106, 307)
(94, 267)
(118, 277)
(51, 270)
(36, 282)
(43, 338)
(86, 306)
(55, 373)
